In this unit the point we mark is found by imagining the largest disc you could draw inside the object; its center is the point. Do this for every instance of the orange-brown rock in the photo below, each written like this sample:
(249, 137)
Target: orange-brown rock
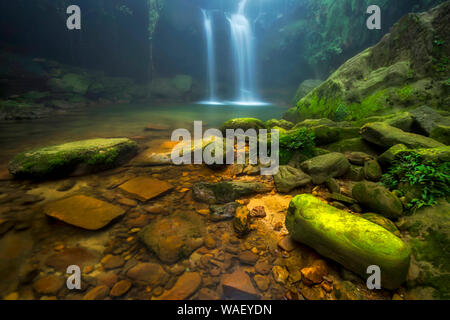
(287, 244)
(83, 212)
(111, 261)
(151, 274)
(98, 293)
(48, 285)
(237, 285)
(185, 287)
(315, 273)
(144, 189)
(120, 288)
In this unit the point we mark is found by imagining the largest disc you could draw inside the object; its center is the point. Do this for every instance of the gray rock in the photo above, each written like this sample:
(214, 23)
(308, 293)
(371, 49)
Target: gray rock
(226, 191)
(426, 119)
(289, 178)
(330, 165)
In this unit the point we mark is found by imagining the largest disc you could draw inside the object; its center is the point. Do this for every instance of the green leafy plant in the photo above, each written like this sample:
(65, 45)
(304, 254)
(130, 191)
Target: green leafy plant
(298, 140)
(432, 179)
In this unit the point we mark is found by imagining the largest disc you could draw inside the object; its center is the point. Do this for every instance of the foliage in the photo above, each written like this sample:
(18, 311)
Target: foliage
(432, 178)
(298, 140)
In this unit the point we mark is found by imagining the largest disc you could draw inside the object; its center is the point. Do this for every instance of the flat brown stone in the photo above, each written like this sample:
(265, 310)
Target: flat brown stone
(185, 286)
(111, 261)
(83, 212)
(144, 189)
(237, 285)
(287, 244)
(98, 293)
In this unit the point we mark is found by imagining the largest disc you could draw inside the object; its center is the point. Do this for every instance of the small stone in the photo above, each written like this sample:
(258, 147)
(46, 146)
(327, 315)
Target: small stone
(210, 243)
(150, 273)
(98, 293)
(12, 296)
(315, 273)
(287, 244)
(111, 262)
(263, 267)
(127, 202)
(241, 221)
(261, 282)
(208, 294)
(248, 257)
(258, 212)
(280, 274)
(120, 288)
(333, 185)
(185, 287)
(107, 279)
(326, 287)
(156, 209)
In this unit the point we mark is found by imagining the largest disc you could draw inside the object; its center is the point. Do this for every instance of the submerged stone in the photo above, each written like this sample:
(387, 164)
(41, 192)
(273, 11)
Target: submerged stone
(226, 191)
(72, 158)
(144, 189)
(354, 242)
(83, 212)
(174, 237)
(185, 287)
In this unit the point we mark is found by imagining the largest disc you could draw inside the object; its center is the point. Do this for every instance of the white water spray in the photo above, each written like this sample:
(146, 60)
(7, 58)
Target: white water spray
(208, 25)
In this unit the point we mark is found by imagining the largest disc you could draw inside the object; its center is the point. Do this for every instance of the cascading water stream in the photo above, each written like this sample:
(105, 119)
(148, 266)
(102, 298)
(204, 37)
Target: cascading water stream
(208, 25)
(244, 56)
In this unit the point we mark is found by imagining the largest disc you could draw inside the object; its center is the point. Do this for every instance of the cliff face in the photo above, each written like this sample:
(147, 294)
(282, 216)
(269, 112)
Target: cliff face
(409, 67)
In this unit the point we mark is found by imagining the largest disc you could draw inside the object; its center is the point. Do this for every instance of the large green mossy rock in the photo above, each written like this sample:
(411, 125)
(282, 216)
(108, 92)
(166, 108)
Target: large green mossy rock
(331, 165)
(354, 242)
(386, 136)
(396, 73)
(377, 198)
(428, 234)
(440, 154)
(78, 157)
(244, 124)
(289, 178)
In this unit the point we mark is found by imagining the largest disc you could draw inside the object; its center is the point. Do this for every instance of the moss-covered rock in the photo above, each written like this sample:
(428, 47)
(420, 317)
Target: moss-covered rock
(429, 238)
(244, 124)
(354, 242)
(306, 87)
(330, 165)
(352, 145)
(389, 155)
(382, 221)
(289, 178)
(426, 119)
(72, 158)
(441, 133)
(372, 170)
(398, 72)
(377, 198)
(440, 154)
(354, 173)
(274, 123)
(386, 136)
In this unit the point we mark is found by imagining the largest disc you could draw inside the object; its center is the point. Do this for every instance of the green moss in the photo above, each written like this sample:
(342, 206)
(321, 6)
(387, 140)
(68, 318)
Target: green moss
(244, 124)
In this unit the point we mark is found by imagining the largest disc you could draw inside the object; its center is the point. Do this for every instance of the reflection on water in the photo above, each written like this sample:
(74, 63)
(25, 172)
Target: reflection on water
(118, 121)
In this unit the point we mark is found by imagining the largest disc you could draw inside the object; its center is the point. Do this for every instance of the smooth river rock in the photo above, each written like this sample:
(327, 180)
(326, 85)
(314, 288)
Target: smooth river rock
(329, 165)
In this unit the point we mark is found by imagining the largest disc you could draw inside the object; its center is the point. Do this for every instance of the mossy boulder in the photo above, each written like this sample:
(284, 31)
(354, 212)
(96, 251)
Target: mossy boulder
(306, 87)
(289, 178)
(352, 241)
(326, 135)
(331, 165)
(429, 238)
(389, 155)
(426, 119)
(396, 73)
(441, 133)
(386, 136)
(354, 173)
(352, 145)
(274, 123)
(377, 198)
(372, 170)
(244, 124)
(440, 154)
(78, 157)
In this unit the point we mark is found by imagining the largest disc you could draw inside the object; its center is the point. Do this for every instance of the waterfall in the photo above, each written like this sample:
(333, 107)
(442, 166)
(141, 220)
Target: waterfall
(208, 25)
(244, 58)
